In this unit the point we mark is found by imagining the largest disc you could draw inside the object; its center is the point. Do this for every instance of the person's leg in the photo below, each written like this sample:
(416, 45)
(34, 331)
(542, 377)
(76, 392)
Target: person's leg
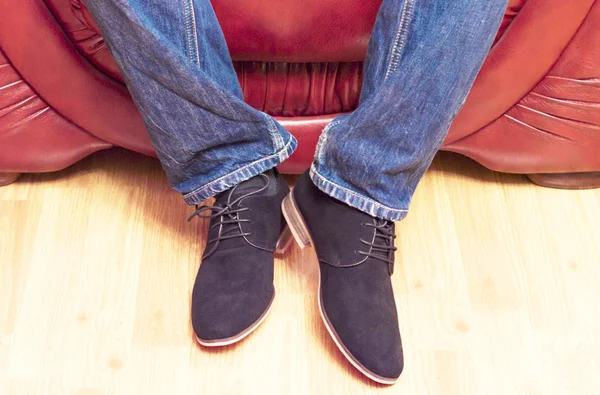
(175, 62)
(422, 60)
(174, 59)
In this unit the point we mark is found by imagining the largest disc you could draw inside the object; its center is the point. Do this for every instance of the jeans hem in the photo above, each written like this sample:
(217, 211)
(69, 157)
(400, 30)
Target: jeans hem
(356, 200)
(223, 183)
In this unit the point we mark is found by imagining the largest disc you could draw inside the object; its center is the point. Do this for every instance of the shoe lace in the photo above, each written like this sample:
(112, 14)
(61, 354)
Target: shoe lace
(228, 214)
(382, 247)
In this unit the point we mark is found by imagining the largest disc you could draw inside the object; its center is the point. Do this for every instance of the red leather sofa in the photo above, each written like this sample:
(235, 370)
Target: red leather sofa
(534, 108)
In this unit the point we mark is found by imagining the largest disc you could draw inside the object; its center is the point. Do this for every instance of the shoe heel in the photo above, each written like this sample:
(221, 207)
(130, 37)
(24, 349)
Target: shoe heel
(295, 221)
(284, 241)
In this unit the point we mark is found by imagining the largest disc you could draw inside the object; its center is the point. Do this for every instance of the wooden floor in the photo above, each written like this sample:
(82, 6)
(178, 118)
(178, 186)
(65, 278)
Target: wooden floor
(497, 285)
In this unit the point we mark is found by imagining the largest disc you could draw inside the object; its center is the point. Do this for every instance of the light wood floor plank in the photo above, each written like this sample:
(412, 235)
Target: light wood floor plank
(497, 284)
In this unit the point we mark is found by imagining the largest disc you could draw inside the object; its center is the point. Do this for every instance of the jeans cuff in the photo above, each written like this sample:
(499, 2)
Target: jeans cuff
(244, 173)
(356, 200)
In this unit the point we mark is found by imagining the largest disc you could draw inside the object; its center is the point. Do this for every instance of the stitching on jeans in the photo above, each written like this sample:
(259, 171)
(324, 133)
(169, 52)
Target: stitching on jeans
(194, 32)
(187, 7)
(209, 185)
(400, 41)
(354, 194)
(275, 135)
(187, 26)
(323, 140)
(241, 169)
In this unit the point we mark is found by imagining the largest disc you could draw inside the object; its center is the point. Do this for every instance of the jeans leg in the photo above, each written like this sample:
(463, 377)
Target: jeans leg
(422, 60)
(176, 64)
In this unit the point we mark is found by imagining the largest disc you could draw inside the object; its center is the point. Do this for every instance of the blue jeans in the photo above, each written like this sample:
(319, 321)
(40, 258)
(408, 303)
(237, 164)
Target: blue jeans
(422, 60)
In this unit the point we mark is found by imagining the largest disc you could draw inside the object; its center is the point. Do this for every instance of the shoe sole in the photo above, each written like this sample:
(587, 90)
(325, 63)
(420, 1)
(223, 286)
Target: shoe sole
(285, 240)
(301, 234)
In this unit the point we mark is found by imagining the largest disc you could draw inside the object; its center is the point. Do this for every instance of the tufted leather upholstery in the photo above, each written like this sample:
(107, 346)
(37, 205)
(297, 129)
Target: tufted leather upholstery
(534, 107)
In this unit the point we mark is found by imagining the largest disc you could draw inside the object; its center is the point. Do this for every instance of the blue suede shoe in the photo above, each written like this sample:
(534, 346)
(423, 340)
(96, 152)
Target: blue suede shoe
(356, 260)
(234, 290)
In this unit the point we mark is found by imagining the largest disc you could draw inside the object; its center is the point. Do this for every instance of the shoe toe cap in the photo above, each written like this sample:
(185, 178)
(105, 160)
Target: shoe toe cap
(359, 308)
(223, 317)
(378, 352)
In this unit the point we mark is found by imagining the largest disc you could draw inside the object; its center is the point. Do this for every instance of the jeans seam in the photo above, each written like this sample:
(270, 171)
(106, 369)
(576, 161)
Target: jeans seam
(354, 194)
(401, 36)
(187, 26)
(190, 30)
(194, 32)
(241, 169)
(323, 140)
(276, 137)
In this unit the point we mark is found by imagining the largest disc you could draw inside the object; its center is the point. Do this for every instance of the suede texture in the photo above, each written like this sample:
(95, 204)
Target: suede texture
(358, 299)
(234, 285)
(326, 217)
(267, 223)
(359, 304)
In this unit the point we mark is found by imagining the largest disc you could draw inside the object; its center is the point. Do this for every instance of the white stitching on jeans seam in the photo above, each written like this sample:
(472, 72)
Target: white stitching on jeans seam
(194, 32)
(323, 139)
(187, 26)
(276, 138)
(187, 10)
(354, 194)
(400, 40)
(207, 186)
